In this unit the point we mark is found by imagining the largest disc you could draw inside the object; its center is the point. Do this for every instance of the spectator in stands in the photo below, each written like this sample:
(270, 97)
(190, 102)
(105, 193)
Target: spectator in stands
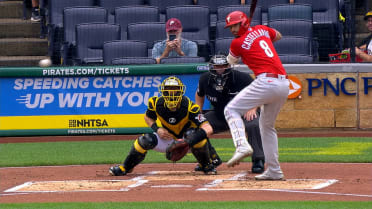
(174, 45)
(35, 15)
(366, 45)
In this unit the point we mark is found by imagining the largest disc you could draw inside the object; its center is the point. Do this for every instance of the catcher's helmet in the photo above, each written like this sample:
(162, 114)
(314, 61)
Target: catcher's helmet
(236, 17)
(172, 89)
(219, 70)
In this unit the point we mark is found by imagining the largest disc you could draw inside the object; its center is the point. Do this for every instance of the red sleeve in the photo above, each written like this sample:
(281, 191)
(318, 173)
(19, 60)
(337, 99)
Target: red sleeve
(234, 48)
(272, 32)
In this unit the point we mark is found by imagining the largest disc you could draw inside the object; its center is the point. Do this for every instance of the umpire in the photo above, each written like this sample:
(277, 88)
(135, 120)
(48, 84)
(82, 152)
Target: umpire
(220, 85)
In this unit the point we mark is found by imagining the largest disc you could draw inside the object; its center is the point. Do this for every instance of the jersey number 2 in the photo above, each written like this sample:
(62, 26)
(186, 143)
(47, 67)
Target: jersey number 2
(266, 48)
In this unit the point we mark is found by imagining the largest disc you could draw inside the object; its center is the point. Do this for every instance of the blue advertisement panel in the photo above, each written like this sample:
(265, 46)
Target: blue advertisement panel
(83, 95)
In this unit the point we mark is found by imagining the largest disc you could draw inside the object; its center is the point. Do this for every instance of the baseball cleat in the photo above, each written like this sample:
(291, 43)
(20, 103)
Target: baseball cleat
(117, 170)
(238, 156)
(216, 162)
(210, 170)
(258, 166)
(267, 175)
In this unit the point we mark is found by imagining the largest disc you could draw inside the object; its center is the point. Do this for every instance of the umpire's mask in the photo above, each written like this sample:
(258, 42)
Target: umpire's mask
(219, 70)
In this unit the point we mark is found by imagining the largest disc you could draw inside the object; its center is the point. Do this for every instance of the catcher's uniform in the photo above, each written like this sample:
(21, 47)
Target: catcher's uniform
(187, 116)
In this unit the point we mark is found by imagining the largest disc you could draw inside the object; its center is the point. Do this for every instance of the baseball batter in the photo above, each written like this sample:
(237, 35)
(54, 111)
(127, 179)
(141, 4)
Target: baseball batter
(254, 46)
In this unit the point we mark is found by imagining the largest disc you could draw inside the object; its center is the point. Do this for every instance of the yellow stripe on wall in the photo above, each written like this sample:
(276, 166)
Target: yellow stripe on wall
(72, 121)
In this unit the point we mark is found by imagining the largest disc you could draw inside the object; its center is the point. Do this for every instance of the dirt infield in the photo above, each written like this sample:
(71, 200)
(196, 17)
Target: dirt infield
(177, 182)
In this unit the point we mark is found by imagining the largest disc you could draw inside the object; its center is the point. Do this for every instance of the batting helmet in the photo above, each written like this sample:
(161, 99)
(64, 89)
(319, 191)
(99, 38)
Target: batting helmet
(236, 17)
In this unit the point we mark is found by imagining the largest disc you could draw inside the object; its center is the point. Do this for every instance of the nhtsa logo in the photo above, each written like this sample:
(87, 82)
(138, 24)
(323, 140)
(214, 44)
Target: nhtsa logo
(87, 123)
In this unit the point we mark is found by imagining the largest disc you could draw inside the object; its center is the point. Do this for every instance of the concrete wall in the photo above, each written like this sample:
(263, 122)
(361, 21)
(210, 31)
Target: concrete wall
(329, 111)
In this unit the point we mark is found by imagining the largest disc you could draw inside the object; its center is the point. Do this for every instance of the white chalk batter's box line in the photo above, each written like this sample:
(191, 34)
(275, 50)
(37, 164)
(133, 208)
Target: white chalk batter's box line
(141, 181)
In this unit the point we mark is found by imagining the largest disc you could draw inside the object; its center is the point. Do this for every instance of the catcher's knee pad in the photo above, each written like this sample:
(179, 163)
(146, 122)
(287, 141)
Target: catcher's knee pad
(148, 141)
(189, 132)
(195, 136)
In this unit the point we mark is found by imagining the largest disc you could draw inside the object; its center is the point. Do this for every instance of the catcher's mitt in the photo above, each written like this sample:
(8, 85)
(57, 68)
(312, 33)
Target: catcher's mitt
(177, 150)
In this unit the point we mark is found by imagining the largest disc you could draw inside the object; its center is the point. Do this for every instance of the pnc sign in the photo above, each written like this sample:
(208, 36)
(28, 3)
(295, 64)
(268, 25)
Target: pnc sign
(336, 87)
(295, 87)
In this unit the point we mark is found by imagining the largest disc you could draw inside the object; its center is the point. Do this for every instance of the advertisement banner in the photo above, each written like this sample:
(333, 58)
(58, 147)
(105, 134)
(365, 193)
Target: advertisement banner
(107, 102)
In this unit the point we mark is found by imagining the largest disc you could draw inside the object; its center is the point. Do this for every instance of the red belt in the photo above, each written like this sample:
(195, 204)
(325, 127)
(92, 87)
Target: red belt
(273, 75)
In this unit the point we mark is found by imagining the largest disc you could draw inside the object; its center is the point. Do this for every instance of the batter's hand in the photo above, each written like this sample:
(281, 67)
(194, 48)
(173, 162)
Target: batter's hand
(251, 114)
(164, 134)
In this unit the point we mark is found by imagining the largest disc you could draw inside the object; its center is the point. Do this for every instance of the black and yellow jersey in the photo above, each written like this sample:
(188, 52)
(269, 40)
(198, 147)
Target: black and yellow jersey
(188, 115)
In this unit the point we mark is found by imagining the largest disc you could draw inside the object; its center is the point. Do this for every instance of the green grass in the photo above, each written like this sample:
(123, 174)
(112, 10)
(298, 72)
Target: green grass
(336, 149)
(195, 205)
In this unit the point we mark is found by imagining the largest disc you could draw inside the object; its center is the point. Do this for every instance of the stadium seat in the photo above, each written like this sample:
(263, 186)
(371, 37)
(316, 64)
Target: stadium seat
(195, 24)
(55, 24)
(327, 27)
(134, 14)
(163, 4)
(296, 59)
(179, 60)
(265, 4)
(110, 5)
(222, 45)
(123, 48)
(294, 46)
(290, 11)
(90, 47)
(223, 11)
(292, 27)
(214, 5)
(221, 31)
(141, 31)
(73, 16)
(133, 61)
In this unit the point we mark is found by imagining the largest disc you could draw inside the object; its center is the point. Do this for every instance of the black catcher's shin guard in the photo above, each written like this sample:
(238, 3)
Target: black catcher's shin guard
(202, 155)
(134, 158)
(216, 160)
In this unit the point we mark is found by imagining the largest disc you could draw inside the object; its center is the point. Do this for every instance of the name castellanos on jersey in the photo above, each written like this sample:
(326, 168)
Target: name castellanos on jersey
(249, 39)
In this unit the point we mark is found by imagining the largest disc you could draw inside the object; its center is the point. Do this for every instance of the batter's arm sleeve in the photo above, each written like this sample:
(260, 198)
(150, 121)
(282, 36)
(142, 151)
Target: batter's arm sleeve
(232, 60)
(278, 36)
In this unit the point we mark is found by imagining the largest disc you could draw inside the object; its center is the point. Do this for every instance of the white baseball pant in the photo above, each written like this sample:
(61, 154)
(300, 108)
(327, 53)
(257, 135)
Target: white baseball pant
(270, 94)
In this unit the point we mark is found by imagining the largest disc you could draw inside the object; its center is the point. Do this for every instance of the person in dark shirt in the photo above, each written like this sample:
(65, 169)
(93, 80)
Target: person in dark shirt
(219, 86)
(364, 51)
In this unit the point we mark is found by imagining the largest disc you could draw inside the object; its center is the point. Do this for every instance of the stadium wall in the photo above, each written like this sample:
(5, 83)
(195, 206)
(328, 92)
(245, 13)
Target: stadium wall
(112, 99)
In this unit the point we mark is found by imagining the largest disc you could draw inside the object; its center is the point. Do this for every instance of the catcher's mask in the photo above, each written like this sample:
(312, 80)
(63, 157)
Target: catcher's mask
(219, 70)
(172, 90)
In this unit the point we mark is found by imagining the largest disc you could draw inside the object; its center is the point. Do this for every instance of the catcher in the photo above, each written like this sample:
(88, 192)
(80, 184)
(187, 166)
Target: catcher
(183, 127)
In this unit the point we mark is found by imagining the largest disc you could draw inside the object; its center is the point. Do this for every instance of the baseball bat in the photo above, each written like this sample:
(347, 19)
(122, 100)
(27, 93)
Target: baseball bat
(252, 9)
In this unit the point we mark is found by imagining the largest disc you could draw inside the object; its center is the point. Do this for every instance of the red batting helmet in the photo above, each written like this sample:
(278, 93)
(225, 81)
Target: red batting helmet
(236, 17)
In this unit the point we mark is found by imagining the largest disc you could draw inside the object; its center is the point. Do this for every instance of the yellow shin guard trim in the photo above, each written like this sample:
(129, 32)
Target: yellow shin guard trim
(138, 147)
(200, 144)
(122, 168)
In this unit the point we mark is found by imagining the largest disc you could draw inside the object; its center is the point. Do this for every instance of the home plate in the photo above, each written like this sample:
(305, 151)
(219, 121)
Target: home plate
(289, 184)
(77, 186)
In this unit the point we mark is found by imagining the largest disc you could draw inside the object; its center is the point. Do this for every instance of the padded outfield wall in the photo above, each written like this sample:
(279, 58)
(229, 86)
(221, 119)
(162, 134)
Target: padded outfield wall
(112, 99)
